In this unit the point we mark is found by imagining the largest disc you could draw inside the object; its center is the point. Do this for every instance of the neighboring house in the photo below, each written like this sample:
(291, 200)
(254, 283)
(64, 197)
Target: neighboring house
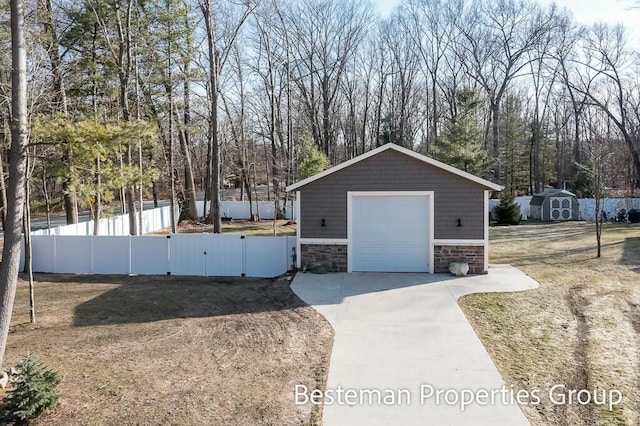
(554, 205)
(393, 210)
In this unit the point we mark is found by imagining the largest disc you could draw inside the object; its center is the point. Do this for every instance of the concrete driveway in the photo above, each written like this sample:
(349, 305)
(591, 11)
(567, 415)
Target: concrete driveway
(404, 351)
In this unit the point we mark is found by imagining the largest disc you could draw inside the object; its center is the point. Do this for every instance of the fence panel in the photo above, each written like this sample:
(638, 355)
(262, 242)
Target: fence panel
(111, 254)
(67, 230)
(224, 255)
(149, 255)
(241, 209)
(182, 254)
(587, 206)
(266, 256)
(43, 251)
(73, 255)
(187, 254)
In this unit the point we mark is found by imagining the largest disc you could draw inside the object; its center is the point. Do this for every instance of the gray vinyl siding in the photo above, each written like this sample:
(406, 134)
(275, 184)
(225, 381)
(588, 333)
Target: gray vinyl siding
(454, 196)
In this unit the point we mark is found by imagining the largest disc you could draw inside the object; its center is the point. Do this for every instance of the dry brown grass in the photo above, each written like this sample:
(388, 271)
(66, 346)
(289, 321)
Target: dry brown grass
(264, 228)
(174, 350)
(581, 328)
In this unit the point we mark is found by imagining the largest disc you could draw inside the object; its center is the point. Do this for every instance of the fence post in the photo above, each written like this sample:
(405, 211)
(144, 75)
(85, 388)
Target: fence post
(169, 255)
(244, 256)
(91, 237)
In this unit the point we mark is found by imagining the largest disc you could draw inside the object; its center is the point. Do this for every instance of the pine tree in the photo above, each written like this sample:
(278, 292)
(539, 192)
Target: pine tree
(461, 145)
(35, 391)
(313, 160)
(508, 211)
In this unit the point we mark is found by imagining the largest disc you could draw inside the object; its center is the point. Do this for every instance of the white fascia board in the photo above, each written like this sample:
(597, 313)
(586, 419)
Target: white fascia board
(486, 231)
(459, 242)
(324, 241)
(298, 232)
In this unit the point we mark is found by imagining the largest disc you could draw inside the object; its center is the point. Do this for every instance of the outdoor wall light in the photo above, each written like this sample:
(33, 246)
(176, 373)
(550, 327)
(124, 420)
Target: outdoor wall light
(459, 222)
(323, 222)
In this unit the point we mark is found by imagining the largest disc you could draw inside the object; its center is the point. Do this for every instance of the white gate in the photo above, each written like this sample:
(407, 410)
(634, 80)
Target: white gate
(175, 254)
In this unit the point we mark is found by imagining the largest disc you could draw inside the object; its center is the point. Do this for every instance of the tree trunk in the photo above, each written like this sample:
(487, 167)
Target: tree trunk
(53, 51)
(47, 199)
(174, 219)
(3, 190)
(70, 204)
(495, 152)
(214, 149)
(28, 251)
(97, 205)
(17, 170)
(60, 96)
(537, 178)
(190, 187)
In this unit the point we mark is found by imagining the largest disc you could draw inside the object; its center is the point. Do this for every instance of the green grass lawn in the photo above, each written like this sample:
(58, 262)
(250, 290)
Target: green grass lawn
(581, 328)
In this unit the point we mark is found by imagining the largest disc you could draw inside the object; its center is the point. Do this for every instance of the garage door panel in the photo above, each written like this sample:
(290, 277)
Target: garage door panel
(390, 233)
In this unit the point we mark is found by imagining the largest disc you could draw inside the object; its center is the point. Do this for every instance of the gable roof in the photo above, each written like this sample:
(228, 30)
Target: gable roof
(401, 150)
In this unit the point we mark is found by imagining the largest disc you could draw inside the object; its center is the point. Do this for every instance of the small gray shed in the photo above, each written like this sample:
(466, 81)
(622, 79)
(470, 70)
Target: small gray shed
(554, 205)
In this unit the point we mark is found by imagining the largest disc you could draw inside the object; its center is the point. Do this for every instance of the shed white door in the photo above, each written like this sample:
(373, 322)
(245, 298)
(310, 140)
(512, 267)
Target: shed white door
(561, 208)
(390, 233)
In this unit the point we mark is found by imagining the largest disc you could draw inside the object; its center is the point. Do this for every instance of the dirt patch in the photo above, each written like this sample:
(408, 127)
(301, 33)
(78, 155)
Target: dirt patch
(579, 329)
(577, 304)
(174, 350)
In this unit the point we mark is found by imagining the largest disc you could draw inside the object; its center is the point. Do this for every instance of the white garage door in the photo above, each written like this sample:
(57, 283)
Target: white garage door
(390, 233)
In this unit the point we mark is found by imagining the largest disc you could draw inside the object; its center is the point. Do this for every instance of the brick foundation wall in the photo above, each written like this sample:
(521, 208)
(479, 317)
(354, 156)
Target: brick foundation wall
(473, 255)
(336, 254)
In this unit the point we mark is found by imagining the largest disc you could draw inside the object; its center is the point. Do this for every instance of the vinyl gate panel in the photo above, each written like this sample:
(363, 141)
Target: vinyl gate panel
(224, 255)
(187, 254)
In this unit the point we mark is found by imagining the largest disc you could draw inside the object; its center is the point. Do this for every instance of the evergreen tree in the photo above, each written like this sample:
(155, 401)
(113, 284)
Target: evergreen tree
(508, 211)
(313, 160)
(461, 145)
(35, 391)
(96, 170)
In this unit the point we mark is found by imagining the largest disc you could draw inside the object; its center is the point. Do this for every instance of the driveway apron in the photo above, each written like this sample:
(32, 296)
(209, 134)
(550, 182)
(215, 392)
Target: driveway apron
(401, 340)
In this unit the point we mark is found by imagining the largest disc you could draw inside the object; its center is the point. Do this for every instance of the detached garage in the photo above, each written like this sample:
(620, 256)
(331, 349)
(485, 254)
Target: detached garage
(393, 210)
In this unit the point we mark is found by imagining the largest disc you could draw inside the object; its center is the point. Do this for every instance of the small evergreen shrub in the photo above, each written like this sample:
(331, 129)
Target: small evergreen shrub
(34, 391)
(508, 211)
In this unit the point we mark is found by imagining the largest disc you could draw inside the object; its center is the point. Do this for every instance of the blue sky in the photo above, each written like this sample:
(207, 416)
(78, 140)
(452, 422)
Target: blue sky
(585, 11)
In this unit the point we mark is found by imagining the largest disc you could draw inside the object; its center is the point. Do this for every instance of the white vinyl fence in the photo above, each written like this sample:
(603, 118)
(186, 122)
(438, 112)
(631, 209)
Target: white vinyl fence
(586, 206)
(156, 219)
(175, 254)
(152, 220)
(242, 209)
(523, 202)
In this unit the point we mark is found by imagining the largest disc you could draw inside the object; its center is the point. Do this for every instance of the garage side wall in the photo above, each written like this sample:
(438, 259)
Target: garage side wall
(454, 197)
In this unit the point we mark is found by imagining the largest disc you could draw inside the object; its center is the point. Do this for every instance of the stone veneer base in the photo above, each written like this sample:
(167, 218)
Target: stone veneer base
(334, 253)
(473, 255)
(442, 256)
